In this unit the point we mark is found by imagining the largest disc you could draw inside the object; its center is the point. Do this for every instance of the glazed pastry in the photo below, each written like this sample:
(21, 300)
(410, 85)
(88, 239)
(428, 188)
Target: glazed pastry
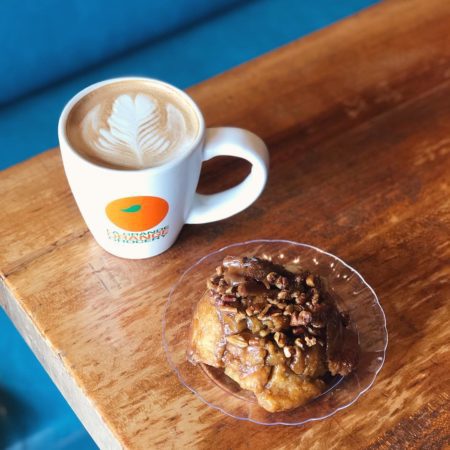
(274, 332)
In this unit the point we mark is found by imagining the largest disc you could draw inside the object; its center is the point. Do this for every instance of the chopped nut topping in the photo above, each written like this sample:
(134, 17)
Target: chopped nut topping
(299, 343)
(301, 318)
(263, 313)
(272, 277)
(310, 341)
(310, 281)
(282, 282)
(277, 309)
(237, 340)
(300, 299)
(250, 311)
(315, 296)
(256, 341)
(280, 339)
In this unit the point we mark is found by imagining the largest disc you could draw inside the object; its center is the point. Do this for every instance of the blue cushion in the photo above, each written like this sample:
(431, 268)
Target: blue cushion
(46, 40)
(29, 126)
(33, 414)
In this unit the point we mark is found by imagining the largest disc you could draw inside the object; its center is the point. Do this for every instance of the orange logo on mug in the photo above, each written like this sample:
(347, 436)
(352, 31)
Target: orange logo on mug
(137, 213)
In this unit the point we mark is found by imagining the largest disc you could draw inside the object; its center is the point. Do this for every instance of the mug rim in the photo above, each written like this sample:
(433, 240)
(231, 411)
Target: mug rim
(62, 135)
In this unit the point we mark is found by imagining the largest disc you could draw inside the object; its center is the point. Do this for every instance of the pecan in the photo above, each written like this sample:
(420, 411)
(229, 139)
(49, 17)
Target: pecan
(257, 308)
(264, 333)
(271, 277)
(280, 322)
(301, 318)
(306, 316)
(288, 310)
(295, 319)
(263, 313)
(280, 339)
(254, 325)
(288, 351)
(228, 309)
(299, 343)
(269, 323)
(283, 295)
(310, 281)
(255, 341)
(300, 299)
(310, 341)
(315, 296)
(282, 282)
(237, 340)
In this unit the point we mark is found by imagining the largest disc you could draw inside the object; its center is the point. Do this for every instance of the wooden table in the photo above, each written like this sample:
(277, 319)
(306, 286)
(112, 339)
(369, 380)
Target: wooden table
(357, 118)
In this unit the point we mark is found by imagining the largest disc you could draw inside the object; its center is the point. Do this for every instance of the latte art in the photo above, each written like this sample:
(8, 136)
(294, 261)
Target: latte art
(132, 127)
(139, 132)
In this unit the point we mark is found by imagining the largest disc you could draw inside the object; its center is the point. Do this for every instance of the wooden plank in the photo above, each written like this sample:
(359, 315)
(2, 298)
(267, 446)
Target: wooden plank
(357, 118)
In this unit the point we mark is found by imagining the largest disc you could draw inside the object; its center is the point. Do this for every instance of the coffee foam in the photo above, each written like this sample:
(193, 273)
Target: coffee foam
(132, 124)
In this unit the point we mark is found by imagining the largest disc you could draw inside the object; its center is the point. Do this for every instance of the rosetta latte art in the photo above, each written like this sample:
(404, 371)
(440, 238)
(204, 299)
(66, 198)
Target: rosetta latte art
(139, 132)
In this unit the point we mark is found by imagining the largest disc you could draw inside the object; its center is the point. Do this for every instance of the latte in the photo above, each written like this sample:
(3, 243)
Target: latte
(132, 124)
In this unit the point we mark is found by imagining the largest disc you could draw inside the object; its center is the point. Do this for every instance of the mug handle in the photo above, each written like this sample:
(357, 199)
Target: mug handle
(228, 141)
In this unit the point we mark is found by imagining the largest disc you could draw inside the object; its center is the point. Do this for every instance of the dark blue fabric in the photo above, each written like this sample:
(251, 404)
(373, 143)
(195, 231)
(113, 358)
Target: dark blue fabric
(28, 126)
(33, 414)
(45, 40)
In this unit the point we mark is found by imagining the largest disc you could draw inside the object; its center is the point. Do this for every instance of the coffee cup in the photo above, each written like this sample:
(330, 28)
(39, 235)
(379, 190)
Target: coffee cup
(132, 150)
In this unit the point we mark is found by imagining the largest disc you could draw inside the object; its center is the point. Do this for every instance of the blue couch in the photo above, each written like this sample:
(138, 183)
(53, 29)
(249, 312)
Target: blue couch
(51, 49)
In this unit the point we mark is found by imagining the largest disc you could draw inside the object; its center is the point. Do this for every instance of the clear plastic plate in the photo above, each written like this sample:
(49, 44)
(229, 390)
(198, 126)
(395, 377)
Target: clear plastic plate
(354, 295)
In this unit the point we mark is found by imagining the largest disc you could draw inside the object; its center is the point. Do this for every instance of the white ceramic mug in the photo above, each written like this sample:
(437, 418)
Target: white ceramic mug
(139, 213)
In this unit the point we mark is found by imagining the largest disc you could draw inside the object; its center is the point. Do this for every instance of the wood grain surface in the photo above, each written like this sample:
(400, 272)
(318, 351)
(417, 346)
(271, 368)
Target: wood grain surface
(357, 119)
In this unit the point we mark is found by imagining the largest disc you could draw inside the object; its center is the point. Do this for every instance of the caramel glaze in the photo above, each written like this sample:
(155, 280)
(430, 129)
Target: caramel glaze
(276, 333)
